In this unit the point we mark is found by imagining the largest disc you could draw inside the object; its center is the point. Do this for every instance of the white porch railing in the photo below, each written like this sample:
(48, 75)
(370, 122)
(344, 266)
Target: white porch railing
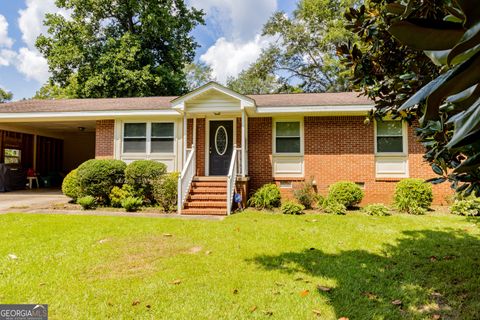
(186, 178)
(233, 171)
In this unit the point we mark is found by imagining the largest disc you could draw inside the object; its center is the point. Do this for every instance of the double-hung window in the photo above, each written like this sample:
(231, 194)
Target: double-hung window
(135, 138)
(390, 137)
(162, 137)
(149, 137)
(288, 137)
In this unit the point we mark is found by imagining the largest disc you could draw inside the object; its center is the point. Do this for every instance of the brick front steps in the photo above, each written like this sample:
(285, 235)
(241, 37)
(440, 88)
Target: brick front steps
(208, 196)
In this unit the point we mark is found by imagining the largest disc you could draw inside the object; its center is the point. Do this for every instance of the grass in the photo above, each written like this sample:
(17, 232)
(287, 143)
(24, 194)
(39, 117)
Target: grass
(251, 265)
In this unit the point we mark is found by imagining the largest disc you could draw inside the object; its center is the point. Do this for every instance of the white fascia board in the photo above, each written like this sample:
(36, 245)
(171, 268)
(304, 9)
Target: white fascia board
(43, 116)
(316, 109)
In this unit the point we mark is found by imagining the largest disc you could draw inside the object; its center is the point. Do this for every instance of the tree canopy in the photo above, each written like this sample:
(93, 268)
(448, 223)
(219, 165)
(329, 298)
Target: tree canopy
(197, 75)
(5, 96)
(107, 48)
(440, 90)
(302, 55)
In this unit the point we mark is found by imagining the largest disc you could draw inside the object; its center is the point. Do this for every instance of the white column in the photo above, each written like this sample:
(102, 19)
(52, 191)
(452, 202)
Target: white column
(184, 138)
(244, 143)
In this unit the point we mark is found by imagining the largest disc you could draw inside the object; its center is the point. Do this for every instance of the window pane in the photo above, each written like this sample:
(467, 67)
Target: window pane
(389, 128)
(288, 145)
(389, 144)
(288, 129)
(162, 145)
(162, 129)
(135, 130)
(135, 145)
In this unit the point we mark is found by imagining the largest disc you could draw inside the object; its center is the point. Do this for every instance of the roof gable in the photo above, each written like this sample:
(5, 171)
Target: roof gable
(213, 93)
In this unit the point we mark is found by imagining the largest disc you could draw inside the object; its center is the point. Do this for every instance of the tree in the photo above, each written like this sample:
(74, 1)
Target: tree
(446, 102)
(303, 52)
(5, 96)
(126, 48)
(260, 78)
(197, 75)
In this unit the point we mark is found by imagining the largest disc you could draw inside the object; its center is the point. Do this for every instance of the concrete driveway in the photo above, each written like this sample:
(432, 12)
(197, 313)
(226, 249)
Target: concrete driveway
(30, 199)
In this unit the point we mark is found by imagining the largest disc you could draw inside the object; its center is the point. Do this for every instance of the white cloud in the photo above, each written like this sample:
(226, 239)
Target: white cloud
(228, 58)
(28, 60)
(31, 19)
(5, 41)
(32, 65)
(7, 57)
(240, 20)
(241, 24)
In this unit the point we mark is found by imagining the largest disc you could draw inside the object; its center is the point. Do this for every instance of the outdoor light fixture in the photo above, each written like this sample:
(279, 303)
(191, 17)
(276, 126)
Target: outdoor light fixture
(216, 113)
(81, 129)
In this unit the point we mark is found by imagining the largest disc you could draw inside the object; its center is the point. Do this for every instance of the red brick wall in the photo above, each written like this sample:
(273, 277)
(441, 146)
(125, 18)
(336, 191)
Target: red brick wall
(259, 151)
(336, 148)
(104, 139)
(200, 145)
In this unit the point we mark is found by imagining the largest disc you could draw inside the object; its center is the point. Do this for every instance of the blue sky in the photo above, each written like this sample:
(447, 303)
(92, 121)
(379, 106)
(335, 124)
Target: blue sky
(229, 41)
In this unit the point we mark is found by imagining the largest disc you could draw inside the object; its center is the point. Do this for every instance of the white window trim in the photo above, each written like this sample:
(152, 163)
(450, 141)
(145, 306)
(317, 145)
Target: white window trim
(404, 141)
(147, 152)
(274, 137)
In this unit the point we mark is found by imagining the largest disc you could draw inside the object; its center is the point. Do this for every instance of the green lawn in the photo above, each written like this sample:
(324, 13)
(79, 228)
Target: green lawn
(250, 265)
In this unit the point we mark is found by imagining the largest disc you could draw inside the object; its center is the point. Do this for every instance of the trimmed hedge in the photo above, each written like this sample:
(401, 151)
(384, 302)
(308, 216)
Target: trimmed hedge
(413, 196)
(70, 186)
(141, 174)
(97, 178)
(345, 192)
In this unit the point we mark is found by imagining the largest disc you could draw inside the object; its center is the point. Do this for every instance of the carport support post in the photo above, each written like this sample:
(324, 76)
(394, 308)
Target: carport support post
(184, 138)
(34, 164)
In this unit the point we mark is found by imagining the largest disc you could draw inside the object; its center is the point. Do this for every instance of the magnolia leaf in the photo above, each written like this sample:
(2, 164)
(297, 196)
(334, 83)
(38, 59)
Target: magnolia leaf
(426, 34)
(437, 169)
(421, 95)
(470, 164)
(440, 58)
(395, 8)
(463, 77)
(471, 10)
(461, 96)
(437, 180)
(469, 40)
(466, 125)
(453, 18)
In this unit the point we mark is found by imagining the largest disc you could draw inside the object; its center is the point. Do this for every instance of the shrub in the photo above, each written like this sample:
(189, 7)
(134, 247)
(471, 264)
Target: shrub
(165, 191)
(96, 178)
(267, 197)
(376, 209)
(70, 186)
(334, 207)
(413, 195)
(319, 200)
(291, 207)
(117, 195)
(306, 195)
(140, 175)
(466, 207)
(87, 202)
(131, 204)
(345, 192)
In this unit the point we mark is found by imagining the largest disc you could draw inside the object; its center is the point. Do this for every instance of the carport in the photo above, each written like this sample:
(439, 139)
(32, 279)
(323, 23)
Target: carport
(50, 148)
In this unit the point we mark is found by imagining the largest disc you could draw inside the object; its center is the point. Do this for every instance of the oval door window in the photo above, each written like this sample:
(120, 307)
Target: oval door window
(221, 140)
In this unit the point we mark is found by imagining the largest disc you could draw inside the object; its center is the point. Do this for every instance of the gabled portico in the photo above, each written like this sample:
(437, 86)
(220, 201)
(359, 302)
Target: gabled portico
(215, 124)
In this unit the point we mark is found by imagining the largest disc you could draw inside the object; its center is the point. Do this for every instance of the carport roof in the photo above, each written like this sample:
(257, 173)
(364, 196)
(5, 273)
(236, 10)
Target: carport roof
(164, 103)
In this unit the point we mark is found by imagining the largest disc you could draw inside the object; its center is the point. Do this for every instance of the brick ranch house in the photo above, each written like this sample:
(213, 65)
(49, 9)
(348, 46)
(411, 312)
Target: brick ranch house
(221, 140)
